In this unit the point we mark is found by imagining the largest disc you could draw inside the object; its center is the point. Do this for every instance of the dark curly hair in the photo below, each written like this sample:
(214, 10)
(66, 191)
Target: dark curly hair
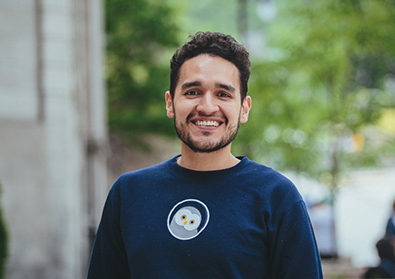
(216, 44)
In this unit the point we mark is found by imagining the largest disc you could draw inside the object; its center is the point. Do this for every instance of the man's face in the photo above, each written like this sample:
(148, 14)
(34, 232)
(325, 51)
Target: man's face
(207, 107)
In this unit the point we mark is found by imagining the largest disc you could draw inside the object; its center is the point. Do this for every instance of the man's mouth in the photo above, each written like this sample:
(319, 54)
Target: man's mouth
(207, 123)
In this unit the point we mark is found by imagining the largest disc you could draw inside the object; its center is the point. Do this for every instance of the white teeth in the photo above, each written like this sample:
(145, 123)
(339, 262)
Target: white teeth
(207, 123)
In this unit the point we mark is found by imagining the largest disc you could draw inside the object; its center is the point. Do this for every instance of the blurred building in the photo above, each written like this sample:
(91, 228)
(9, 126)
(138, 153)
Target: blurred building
(52, 134)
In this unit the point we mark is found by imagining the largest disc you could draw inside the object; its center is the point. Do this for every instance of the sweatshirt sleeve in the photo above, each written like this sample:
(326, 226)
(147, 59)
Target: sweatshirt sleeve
(109, 258)
(295, 251)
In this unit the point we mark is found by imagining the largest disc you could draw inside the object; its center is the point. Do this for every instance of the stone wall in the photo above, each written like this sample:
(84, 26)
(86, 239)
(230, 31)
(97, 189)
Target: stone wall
(53, 139)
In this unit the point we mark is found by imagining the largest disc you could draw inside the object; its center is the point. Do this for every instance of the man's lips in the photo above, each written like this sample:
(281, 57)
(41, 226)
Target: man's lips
(206, 123)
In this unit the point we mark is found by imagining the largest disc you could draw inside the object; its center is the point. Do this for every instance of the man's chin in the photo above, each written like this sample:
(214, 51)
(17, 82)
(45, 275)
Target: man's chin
(205, 144)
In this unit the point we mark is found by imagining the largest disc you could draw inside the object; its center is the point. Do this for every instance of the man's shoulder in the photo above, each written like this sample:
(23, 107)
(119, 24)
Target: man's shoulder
(278, 191)
(143, 175)
(147, 170)
(258, 170)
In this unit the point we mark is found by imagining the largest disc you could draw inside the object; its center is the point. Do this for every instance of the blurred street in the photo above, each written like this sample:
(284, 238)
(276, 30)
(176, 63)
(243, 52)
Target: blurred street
(362, 208)
(340, 268)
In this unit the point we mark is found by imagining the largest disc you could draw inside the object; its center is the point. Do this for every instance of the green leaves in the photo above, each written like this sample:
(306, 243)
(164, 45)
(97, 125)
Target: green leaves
(326, 86)
(139, 33)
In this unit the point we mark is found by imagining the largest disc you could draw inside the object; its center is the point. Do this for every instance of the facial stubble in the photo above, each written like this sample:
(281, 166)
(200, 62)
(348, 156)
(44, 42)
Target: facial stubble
(208, 147)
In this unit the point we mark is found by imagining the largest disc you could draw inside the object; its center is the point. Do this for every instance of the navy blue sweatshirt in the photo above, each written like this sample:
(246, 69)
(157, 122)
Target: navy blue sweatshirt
(166, 221)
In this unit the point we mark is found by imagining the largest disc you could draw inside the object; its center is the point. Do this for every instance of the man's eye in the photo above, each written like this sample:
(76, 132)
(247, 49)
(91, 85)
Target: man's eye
(223, 95)
(192, 93)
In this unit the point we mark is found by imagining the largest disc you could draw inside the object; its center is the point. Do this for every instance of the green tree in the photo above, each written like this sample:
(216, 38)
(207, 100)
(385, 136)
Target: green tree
(323, 87)
(139, 33)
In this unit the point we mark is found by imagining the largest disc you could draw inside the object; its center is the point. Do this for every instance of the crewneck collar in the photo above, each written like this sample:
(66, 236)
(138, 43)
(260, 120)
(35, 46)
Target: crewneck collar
(176, 169)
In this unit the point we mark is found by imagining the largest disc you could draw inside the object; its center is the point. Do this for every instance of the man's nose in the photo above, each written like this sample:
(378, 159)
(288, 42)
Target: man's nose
(207, 104)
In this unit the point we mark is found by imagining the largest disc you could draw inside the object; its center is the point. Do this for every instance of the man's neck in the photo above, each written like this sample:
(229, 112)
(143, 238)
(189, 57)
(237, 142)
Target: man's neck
(218, 160)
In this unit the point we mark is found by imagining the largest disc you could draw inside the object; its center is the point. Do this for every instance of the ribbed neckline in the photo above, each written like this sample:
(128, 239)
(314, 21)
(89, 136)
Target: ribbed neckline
(176, 169)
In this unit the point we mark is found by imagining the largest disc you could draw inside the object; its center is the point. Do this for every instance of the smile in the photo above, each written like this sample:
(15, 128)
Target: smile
(207, 123)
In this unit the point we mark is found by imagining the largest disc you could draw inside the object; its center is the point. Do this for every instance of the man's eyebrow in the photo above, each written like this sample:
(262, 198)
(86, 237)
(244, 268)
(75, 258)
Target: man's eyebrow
(227, 87)
(190, 84)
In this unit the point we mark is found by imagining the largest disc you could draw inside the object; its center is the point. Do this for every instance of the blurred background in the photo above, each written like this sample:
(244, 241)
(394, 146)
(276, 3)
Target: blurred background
(82, 88)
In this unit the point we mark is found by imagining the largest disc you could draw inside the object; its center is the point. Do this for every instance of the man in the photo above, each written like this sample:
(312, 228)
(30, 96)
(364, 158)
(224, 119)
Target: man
(206, 213)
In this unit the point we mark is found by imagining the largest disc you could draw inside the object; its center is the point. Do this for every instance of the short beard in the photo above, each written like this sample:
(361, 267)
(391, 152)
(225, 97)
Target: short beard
(197, 147)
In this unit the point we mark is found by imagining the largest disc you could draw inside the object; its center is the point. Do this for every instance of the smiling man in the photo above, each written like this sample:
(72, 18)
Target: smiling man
(206, 213)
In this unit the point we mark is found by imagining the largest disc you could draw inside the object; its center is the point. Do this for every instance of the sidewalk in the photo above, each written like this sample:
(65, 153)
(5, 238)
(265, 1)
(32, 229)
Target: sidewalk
(340, 268)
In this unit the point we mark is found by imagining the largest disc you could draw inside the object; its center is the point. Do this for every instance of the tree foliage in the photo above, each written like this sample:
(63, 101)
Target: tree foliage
(323, 87)
(139, 32)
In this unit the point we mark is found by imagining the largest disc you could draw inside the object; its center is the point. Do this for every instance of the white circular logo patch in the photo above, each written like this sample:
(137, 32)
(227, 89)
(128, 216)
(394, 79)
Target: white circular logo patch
(188, 219)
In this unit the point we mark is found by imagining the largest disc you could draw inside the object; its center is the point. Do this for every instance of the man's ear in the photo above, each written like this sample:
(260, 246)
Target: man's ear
(245, 109)
(169, 105)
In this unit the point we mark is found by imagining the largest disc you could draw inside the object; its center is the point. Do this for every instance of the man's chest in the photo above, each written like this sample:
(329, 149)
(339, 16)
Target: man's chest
(212, 236)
